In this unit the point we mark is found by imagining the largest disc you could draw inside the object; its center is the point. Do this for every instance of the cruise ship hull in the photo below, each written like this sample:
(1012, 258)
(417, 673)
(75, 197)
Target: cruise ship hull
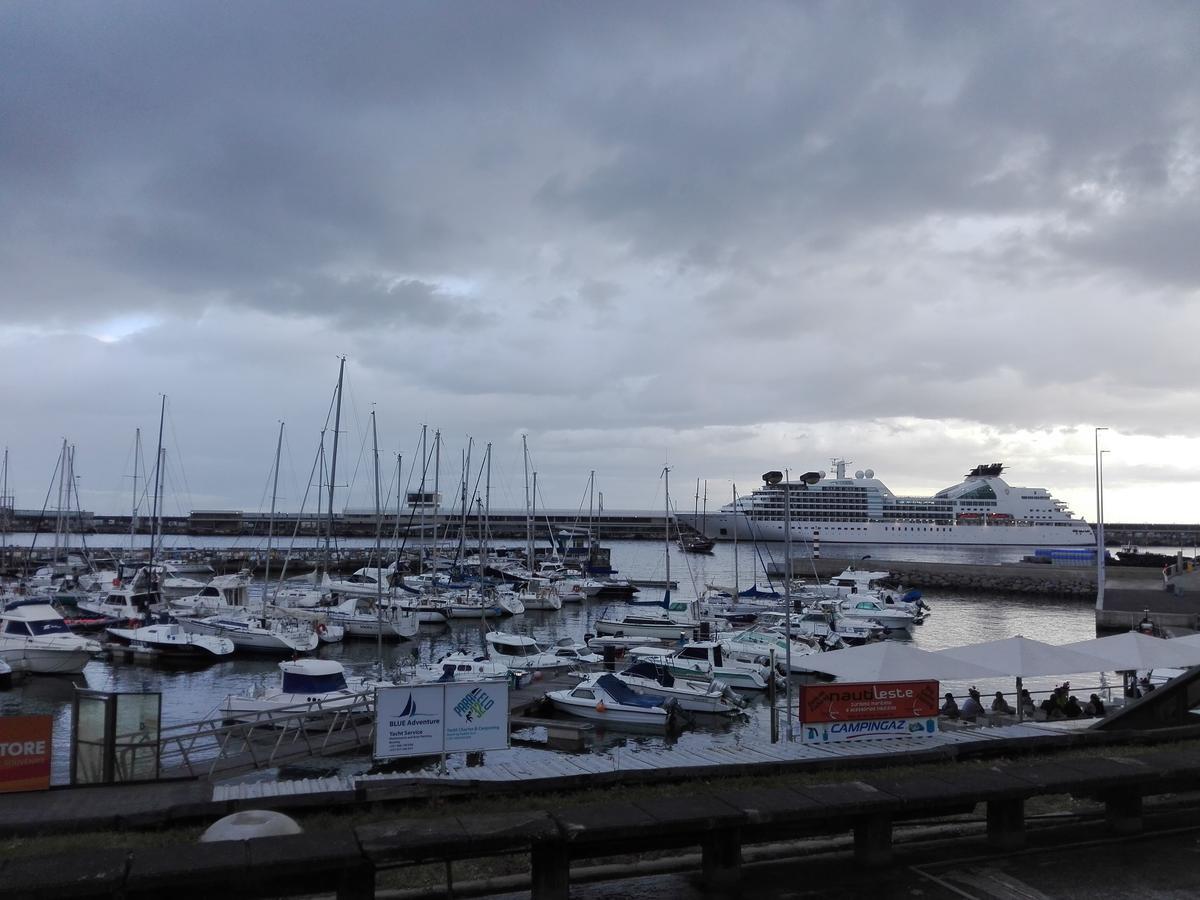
(724, 526)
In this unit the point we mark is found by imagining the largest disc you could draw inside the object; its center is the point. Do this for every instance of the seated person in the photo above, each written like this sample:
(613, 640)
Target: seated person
(1072, 709)
(1000, 705)
(1095, 707)
(949, 707)
(972, 709)
(1027, 705)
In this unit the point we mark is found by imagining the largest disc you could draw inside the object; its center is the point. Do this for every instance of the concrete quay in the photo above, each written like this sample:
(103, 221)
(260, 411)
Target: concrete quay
(1007, 578)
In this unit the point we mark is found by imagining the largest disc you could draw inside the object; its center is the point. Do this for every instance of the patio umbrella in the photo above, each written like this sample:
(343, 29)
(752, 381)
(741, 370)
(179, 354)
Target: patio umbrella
(1133, 650)
(1022, 657)
(892, 661)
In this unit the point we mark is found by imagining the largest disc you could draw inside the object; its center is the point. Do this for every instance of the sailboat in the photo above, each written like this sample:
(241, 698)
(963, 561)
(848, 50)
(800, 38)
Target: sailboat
(678, 617)
(692, 541)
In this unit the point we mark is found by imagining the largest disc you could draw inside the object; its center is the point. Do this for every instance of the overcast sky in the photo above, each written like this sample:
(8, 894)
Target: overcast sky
(728, 237)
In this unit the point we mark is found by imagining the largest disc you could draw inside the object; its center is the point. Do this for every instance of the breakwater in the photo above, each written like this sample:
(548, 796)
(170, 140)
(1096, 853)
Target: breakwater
(1006, 578)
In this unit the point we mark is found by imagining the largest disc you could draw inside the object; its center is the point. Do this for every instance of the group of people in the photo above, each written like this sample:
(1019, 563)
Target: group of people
(1061, 704)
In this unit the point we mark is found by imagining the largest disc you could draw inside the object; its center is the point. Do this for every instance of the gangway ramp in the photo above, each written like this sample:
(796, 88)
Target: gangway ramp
(217, 747)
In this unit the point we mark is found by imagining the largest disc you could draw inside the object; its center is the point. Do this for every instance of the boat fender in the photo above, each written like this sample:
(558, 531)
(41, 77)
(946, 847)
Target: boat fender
(600, 707)
(320, 629)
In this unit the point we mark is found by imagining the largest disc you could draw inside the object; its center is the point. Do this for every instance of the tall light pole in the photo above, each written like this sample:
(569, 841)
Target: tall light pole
(1099, 520)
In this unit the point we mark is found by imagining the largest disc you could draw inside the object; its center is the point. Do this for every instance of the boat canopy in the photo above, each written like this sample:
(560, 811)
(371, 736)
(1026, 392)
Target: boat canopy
(301, 683)
(620, 692)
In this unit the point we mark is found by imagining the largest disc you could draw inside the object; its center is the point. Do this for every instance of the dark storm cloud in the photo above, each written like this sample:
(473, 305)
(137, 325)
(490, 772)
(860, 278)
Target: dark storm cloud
(629, 221)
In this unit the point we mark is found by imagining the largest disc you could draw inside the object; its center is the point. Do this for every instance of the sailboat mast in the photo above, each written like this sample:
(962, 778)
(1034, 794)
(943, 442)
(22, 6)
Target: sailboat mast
(158, 464)
(437, 486)
(487, 498)
(532, 521)
(337, 424)
(137, 452)
(667, 522)
(424, 470)
(271, 521)
(67, 511)
(378, 550)
(528, 520)
(735, 546)
(58, 513)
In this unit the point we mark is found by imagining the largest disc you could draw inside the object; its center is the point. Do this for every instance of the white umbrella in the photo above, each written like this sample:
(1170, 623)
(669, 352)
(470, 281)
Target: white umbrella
(892, 661)
(1022, 657)
(1133, 650)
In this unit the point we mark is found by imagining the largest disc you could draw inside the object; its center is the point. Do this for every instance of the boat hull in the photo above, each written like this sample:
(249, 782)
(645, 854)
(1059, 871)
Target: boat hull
(725, 526)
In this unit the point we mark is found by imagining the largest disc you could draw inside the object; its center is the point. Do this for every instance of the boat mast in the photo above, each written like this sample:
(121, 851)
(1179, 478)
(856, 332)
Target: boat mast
(67, 512)
(424, 470)
(787, 596)
(337, 424)
(6, 510)
(532, 520)
(667, 529)
(486, 531)
(528, 520)
(137, 452)
(271, 521)
(58, 512)
(735, 546)
(156, 513)
(591, 507)
(378, 551)
(437, 489)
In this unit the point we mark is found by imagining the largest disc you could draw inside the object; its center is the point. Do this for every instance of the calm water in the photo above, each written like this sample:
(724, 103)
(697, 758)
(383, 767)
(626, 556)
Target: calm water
(194, 694)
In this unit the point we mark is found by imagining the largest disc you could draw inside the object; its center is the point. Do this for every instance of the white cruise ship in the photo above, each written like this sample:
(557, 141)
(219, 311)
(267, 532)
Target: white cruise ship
(982, 510)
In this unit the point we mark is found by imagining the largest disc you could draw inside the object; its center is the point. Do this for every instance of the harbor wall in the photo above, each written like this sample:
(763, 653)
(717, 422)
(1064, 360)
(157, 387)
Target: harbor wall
(1006, 578)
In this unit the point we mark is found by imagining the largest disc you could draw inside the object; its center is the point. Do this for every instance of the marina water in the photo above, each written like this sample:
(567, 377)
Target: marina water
(193, 694)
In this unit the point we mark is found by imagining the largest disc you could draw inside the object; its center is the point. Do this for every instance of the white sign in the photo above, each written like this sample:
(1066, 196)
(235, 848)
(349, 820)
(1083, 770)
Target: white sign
(477, 716)
(428, 719)
(866, 729)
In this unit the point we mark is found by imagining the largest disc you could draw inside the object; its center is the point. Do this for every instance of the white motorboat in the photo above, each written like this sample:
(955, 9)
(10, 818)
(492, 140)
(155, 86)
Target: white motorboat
(604, 698)
(854, 607)
(676, 622)
(221, 594)
(473, 606)
(581, 654)
(519, 652)
(314, 687)
(826, 627)
(707, 660)
(172, 640)
(692, 695)
(393, 623)
(544, 598)
(34, 638)
(752, 644)
(123, 604)
(253, 634)
(462, 666)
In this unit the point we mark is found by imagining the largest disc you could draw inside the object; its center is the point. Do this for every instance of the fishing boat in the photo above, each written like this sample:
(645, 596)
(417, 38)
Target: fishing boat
(173, 641)
(604, 698)
(34, 638)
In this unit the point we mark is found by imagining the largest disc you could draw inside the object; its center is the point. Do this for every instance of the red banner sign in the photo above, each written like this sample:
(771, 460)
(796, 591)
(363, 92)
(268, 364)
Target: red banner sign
(868, 701)
(25, 747)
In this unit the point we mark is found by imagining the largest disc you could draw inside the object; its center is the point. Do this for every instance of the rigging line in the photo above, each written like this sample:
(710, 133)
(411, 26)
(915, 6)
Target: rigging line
(348, 387)
(299, 518)
(45, 505)
(79, 509)
(412, 512)
(187, 490)
(686, 561)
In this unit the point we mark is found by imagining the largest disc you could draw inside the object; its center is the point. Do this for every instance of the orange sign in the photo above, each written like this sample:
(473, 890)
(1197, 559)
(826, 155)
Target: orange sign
(870, 700)
(25, 748)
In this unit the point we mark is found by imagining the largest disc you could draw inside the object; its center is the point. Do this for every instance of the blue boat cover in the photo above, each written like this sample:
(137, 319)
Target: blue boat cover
(755, 592)
(620, 692)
